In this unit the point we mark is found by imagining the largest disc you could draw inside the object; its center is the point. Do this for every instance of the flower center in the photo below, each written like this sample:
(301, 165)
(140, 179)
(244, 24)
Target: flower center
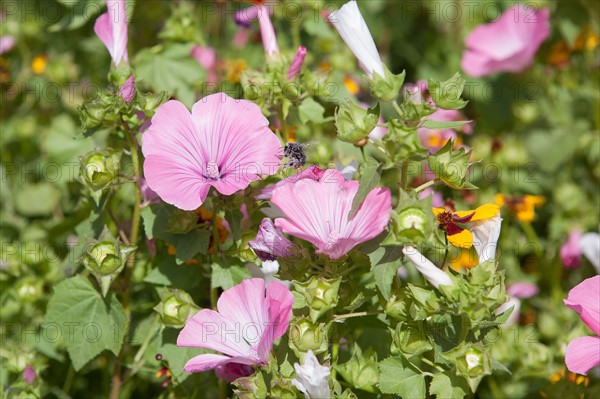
(444, 219)
(212, 170)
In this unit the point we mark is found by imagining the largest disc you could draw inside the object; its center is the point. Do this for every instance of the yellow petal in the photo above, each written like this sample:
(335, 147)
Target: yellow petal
(486, 211)
(438, 211)
(500, 200)
(464, 239)
(534, 200)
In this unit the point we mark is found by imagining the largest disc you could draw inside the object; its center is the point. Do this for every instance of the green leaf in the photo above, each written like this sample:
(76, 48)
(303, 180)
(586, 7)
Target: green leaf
(384, 265)
(446, 386)
(190, 244)
(370, 174)
(227, 276)
(234, 218)
(87, 323)
(431, 124)
(447, 94)
(148, 216)
(396, 377)
(176, 356)
(169, 273)
(170, 68)
(37, 199)
(311, 111)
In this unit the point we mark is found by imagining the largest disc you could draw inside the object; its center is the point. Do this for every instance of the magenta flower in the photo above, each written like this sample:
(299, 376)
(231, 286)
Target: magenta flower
(248, 321)
(297, 62)
(507, 44)
(269, 244)
(317, 211)
(570, 252)
(111, 28)
(313, 172)
(583, 353)
(244, 18)
(224, 143)
(267, 32)
(29, 374)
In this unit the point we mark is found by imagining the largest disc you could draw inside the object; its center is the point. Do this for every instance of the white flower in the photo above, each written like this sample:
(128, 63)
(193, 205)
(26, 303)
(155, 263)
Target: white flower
(312, 379)
(352, 27)
(485, 237)
(267, 271)
(430, 271)
(590, 246)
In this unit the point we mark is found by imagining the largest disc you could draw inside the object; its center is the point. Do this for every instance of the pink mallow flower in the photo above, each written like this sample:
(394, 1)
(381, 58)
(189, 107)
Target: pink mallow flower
(570, 252)
(111, 28)
(207, 57)
(7, 43)
(297, 62)
(267, 33)
(270, 243)
(224, 143)
(317, 211)
(248, 321)
(507, 44)
(583, 353)
(313, 172)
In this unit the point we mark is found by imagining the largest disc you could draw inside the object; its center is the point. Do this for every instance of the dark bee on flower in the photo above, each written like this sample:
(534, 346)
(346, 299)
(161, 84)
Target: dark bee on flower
(296, 155)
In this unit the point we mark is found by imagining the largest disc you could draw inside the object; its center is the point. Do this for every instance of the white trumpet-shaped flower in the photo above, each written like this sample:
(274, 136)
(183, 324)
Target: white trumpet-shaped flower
(352, 27)
(430, 271)
(312, 379)
(485, 237)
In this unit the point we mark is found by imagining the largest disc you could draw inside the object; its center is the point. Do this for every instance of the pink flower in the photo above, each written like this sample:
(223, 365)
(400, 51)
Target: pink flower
(127, 91)
(267, 32)
(269, 244)
(584, 353)
(244, 18)
(240, 38)
(248, 321)
(507, 44)
(224, 143)
(149, 195)
(29, 374)
(7, 42)
(207, 57)
(317, 211)
(111, 28)
(313, 172)
(437, 200)
(297, 62)
(434, 139)
(570, 252)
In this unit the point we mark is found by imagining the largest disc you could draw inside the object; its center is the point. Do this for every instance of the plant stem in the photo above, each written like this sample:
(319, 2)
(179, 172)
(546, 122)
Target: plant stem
(425, 185)
(138, 361)
(335, 348)
(397, 108)
(404, 176)
(283, 124)
(214, 292)
(356, 314)
(117, 381)
(445, 253)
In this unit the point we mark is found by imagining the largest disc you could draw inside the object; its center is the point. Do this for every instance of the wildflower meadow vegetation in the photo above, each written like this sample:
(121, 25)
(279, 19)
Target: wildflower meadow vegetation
(300, 199)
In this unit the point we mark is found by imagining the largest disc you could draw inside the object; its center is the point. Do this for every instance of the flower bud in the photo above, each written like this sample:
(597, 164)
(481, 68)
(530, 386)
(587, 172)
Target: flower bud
(127, 91)
(182, 222)
(29, 289)
(411, 222)
(409, 341)
(252, 387)
(281, 388)
(270, 243)
(473, 363)
(99, 168)
(361, 370)
(353, 122)
(321, 295)
(398, 307)
(175, 307)
(305, 336)
(91, 114)
(386, 88)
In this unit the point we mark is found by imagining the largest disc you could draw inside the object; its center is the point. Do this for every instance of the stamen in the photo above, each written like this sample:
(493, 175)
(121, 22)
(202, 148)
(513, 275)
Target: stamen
(212, 170)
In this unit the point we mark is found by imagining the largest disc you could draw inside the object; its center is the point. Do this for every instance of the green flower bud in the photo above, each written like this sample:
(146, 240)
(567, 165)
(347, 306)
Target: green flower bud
(305, 336)
(398, 307)
(182, 222)
(29, 289)
(451, 166)
(175, 307)
(252, 387)
(99, 168)
(152, 101)
(106, 258)
(281, 388)
(474, 363)
(412, 223)
(91, 114)
(321, 295)
(408, 340)
(361, 371)
(119, 74)
(353, 122)
(387, 88)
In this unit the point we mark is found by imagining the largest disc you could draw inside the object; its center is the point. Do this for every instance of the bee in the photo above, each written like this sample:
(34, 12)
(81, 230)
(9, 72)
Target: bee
(296, 155)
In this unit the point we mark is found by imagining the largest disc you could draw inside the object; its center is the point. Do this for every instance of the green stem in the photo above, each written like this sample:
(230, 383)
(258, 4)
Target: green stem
(335, 349)
(69, 380)
(425, 185)
(138, 361)
(429, 362)
(117, 380)
(532, 237)
(445, 253)
(283, 122)
(214, 291)
(397, 108)
(356, 314)
(404, 176)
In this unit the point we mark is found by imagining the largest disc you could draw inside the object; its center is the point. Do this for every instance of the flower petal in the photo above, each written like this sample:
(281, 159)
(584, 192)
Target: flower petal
(111, 28)
(204, 362)
(585, 300)
(583, 354)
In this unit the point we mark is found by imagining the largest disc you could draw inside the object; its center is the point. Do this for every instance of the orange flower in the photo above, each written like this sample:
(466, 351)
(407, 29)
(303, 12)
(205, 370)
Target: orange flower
(38, 65)
(586, 40)
(351, 85)
(450, 221)
(466, 259)
(523, 207)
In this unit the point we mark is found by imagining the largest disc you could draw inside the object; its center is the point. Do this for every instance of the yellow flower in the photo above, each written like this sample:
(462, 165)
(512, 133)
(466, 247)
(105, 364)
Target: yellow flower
(523, 207)
(235, 69)
(586, 40)
(458, 236)
(466, 259)
(351, 85)
(38, 65)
